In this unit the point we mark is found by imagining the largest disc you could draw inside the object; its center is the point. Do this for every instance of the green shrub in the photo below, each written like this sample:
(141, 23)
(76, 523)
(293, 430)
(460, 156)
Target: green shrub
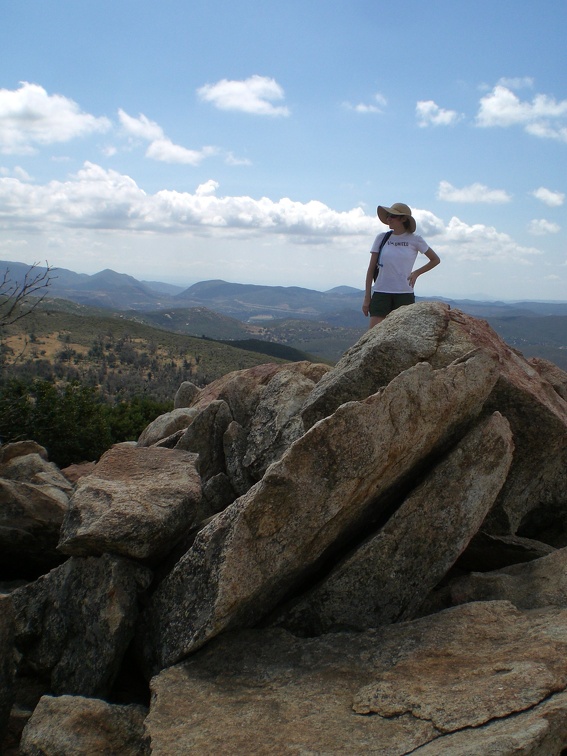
(72, 420)
(127, 419)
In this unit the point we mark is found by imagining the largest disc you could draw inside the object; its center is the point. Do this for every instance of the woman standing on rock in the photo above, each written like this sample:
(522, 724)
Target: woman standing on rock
(392, 258)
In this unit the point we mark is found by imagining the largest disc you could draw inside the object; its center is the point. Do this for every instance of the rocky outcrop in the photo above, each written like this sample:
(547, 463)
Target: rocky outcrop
(360, 559)
(534, 494)
(331, 482)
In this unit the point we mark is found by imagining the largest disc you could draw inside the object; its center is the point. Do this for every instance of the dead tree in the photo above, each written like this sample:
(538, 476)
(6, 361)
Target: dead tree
(19, 298)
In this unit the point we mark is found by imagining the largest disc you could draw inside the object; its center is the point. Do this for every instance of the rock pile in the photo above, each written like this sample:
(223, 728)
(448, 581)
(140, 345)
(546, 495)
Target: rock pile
(369, 558)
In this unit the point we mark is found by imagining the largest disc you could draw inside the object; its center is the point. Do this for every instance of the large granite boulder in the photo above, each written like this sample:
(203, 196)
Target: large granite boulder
(20, 449)
(533, 498)
(31, 467)
(167, 425)
(276, 422)
(242, 389)
(185, 395)
(205, 437)
(31, 515)
(138, 502)
(34, 497)
(387, 578)
(73, 625)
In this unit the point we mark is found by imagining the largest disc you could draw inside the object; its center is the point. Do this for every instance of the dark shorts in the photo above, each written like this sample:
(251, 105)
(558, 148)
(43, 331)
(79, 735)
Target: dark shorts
(383, 304)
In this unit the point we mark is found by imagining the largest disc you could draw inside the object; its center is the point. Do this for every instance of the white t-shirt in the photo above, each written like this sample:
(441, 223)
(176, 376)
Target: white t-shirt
(396, 261)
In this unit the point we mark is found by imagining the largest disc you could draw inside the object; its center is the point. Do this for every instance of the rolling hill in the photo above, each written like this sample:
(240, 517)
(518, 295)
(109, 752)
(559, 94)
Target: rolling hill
(321, 324)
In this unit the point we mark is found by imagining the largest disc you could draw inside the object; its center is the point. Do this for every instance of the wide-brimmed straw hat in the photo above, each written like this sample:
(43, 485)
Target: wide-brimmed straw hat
(398, 208)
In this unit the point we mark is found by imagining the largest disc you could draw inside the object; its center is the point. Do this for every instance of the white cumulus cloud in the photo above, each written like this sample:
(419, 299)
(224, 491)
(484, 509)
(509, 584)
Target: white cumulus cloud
(478, 242)
(542, 227)
(167, 152)
(140, 127)
(99, 199)
(475, 193)
(430, 114)
(376, 105)
(255, 95)
(548, 197)
(544, 116)
(106, 199)
(161, 148)
(29, 116)
(209, 187)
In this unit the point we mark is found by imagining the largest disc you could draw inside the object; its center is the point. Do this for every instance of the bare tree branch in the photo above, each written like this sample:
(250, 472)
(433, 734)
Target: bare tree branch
(18, 299)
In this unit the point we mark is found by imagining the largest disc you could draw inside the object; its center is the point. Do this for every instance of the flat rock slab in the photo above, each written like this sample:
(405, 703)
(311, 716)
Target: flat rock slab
(450, 676)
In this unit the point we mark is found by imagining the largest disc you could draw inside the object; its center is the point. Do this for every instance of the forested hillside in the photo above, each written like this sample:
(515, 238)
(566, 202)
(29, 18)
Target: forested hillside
(77, 381)
(119, 356)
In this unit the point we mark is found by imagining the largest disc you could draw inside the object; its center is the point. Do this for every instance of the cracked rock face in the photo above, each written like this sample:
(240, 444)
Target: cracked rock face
(508, 663)
(386, 691)
(387, 578)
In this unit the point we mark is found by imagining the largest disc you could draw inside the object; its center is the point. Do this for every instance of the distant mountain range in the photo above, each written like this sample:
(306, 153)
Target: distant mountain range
(303, 318)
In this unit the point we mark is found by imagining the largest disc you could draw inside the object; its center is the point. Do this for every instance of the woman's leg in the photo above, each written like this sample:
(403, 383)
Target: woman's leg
(374, 320)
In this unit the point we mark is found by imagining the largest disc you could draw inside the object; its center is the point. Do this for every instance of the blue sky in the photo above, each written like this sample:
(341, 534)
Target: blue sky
(186, 141)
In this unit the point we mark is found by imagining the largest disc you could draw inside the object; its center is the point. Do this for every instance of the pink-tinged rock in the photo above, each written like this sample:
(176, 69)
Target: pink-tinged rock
(242, 389)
